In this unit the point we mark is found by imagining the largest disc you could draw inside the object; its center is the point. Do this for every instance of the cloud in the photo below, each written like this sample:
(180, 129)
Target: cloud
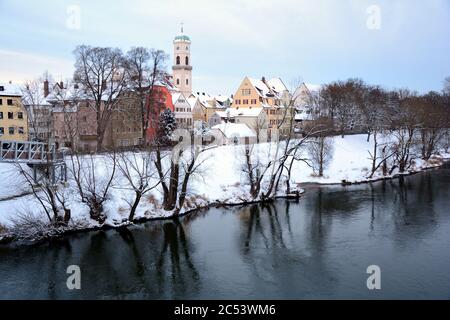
(20, 66)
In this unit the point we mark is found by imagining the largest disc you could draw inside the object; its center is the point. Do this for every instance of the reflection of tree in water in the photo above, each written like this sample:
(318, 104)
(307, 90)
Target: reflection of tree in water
(274, 248)
(153, 263)
(175, 261)
(412, 203)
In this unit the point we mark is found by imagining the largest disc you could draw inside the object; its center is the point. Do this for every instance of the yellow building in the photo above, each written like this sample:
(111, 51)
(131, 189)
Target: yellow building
(13, 116)
(272, 95)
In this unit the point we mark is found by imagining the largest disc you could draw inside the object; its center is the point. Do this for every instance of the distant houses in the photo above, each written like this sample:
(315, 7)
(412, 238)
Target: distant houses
(13, 115)
(63, 113)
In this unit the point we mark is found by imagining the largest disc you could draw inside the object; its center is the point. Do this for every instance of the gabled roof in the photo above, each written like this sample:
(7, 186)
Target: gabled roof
(271, 88)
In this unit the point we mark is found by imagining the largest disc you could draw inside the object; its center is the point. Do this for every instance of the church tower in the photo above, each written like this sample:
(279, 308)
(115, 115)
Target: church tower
(182, 68)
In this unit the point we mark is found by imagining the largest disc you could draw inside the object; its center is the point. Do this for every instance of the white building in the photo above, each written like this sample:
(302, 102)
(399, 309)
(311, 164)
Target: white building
(183, 110)
(233, 133)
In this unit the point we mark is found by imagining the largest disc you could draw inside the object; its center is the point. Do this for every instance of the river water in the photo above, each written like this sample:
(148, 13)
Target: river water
(318, 247)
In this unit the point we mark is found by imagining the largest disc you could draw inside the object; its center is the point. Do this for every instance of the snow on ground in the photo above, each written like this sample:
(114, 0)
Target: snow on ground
(219, 180)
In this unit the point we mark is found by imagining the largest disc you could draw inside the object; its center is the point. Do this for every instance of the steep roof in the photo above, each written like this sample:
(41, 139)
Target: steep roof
(271, 88)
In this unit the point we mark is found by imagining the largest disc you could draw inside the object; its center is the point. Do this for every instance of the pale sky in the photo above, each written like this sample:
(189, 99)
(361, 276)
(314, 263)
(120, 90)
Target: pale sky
(314, 41)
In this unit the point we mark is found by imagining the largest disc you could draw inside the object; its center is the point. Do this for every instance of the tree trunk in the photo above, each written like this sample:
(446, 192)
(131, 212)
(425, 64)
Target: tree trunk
(137, 199)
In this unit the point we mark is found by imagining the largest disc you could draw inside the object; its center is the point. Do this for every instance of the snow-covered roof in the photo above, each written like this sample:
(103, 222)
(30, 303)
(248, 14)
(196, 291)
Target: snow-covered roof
(273, 87)
(192, 101)
(263, 90)
(10, 89)
(242, 112)
(230, 130)
(277, 85)
(313, 87)
(175, 97)
(302, 116)
(223, 99)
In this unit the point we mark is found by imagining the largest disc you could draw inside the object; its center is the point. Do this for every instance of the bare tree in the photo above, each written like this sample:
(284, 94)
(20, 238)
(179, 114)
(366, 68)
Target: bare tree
(145, 67)
(101, 72)
(406, 125)
(320, 150)
(93, 177)
(50, 194)
(434, 120)
(39, 112)
(140, 175)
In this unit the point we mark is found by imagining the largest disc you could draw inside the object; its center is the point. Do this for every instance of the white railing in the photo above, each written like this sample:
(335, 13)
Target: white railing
(28, 152)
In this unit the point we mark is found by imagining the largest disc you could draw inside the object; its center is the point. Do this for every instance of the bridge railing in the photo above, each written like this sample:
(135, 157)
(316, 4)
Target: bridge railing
(29, 152)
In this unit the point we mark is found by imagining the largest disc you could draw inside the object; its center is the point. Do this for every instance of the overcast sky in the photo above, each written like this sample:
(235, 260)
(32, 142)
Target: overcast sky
(395, 43)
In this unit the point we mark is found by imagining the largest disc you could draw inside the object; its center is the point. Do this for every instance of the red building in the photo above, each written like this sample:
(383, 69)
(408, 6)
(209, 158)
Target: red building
(158, 101)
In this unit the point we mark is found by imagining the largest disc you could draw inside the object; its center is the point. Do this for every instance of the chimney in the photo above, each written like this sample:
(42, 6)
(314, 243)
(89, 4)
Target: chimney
(61, 85)
(46, 91)
(263, 79)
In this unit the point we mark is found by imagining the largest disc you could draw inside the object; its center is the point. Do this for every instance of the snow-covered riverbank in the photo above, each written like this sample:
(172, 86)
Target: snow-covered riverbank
(220, 181)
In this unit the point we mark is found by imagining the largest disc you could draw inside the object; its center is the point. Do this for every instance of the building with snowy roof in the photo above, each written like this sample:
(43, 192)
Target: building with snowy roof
(13, 115)
(233, 133)
(272, 95)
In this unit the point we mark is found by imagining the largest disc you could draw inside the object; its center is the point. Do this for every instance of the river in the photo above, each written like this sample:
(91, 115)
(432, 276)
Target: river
(318, 247)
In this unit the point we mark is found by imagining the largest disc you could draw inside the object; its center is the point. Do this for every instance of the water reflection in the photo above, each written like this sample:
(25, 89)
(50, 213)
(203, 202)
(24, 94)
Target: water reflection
(316, 247)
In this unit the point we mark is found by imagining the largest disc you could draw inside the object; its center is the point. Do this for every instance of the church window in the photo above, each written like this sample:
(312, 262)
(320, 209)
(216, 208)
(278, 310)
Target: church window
(187, 61)
(178, 81)
(178, 60)
(187, 82)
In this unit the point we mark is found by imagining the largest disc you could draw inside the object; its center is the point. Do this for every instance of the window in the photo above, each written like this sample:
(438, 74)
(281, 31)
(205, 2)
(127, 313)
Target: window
(187, 82)
(2, 88)
(246, 92)
(245, 101)
(1, 115)
(10, 115)
(238, 101)
(178, 60)
(187, 61)
(253, 101)
(2, 131)
(9, 102)
(1, 102)
(178, 81)
(11, 130)
(20, 115)
(21, 131)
